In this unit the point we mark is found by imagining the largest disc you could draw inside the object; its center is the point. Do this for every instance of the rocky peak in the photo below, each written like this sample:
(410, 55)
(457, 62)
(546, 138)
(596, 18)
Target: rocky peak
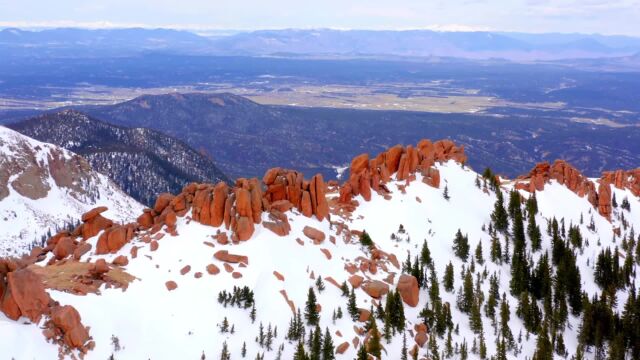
(368, 175)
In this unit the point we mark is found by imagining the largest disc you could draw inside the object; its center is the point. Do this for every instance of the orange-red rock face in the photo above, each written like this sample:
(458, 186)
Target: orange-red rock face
(570, 177)
(370, 175)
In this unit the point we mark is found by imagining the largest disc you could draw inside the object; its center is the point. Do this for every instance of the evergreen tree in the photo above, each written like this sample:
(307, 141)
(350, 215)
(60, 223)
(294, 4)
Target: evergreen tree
(243, 351)
(434, 287)
(311, 308)
(496, 250)
(319, 284)
(328, 349)
(445, 194)
(425, 254)
(479, 256)
(224, 354)
(448, 277)
(499, 216)
(374, 346)
(461, 246)
(300, 354)
(533, 230)
(465, 295)
(365, 239)
(362, 353)
(519, 265)
(352, 307)
(403, 352)
(315, 351)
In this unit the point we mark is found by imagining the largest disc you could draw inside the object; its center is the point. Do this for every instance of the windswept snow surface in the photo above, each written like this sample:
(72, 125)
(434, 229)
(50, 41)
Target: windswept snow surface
(151, 322)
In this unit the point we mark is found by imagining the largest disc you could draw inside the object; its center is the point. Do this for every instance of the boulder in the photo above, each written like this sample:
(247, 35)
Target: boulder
(93, 213)
(212, 269)
(224, 255)
(171, 285)
(243, 203)
(120, 260)
(162, 201)
(67, 319)
(305, 204)
(217, 206)
(244, 228)
(314, 234)
(270, 176)
(376, 288)
(356, 281)
(342, 348)
(145, 220)
(94, 225)
(65, 247)
(81, 249)
(409, 289)
(185, 270)
(28, 293)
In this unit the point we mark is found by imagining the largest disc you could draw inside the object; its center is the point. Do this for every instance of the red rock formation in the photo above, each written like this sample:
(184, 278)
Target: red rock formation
(212, 269)
(224, 255)
(171, 285)
(67, 319)
(342, 348)
(314, 234)
(570, 177)
(409, 290)
(367, 175)
(26, 290)
(375, 288)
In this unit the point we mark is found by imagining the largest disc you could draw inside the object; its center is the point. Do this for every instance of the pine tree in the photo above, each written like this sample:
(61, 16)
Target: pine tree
(362, 353)
(319, 284)
(533, 230)
(434, 287)
(224, 354)
(300, 354)
(475, 318)
(519, 265)
(465, 295)
(445, 194)
(311, 308)
(243, 351)
(327, 346)
(448, 277)
(499, 215)
(352, 307)
(365, 239)
(425, 254)
(496, 250)
(315, 351)
(479, 256)
(374, 346)
(461, 246)
(403, 352)
(345, 289)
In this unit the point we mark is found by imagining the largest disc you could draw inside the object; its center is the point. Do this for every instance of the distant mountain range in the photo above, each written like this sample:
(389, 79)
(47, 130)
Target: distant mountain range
(234, 129)
(317, 42)
(142, 162)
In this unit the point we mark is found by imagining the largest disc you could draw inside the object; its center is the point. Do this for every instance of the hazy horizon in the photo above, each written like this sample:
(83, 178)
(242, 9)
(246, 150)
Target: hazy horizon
(617, 17)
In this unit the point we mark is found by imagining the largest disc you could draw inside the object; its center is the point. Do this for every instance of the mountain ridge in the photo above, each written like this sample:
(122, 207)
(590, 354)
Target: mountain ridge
(255, 227)
(141, 161)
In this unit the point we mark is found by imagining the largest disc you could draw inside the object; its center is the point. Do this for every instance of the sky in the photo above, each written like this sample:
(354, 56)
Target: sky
(533, 16)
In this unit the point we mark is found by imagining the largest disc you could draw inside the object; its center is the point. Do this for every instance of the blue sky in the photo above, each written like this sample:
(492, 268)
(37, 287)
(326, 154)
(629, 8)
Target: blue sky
(584, 16)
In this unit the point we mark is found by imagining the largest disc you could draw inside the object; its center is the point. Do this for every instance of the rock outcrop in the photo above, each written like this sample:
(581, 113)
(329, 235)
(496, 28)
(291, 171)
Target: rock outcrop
(367, 175)
(567, 175)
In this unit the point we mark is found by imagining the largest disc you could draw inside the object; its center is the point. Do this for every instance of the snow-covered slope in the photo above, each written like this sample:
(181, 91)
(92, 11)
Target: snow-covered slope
(44, 188)
(148, 321)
